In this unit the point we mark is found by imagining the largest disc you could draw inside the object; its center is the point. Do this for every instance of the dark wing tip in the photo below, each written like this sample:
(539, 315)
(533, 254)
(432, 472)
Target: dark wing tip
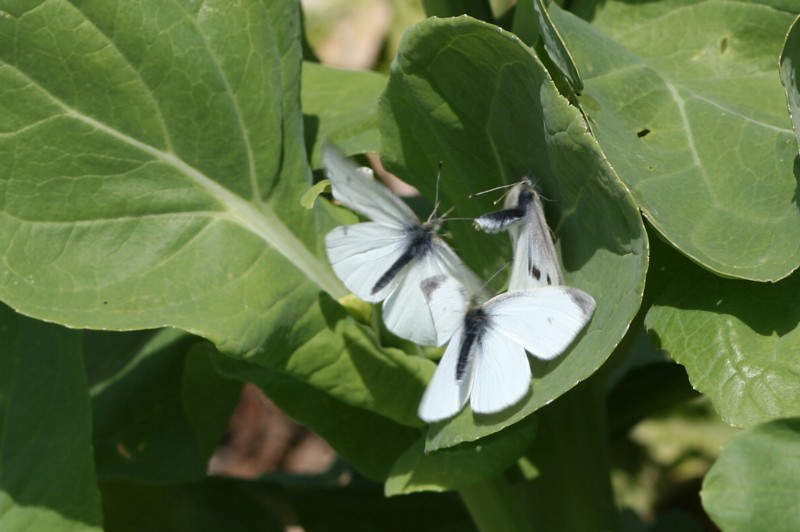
(584, 301)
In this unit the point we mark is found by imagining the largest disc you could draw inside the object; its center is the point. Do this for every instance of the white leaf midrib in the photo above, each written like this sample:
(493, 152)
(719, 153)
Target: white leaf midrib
(259, 219)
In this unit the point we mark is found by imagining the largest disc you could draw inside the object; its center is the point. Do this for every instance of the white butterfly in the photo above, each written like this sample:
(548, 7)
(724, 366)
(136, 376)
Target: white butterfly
(485, 361)
(388, 258)
(535, 260)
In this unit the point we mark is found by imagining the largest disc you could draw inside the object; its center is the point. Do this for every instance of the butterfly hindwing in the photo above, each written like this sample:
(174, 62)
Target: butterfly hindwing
(445, 395)
(502, 373)
(545, 320)
(535, 259)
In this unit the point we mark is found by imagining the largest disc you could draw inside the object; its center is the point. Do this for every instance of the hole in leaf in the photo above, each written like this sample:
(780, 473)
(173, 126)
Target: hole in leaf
(642, 132)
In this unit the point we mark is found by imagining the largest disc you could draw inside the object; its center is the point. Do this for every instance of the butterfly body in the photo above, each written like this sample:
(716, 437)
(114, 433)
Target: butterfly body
(386, 259)
(485, 362)
(535, 260)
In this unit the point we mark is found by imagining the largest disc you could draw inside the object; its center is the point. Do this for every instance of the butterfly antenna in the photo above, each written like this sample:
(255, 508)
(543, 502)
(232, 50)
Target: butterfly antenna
(495, 274)
(436, 197)
(482, 192)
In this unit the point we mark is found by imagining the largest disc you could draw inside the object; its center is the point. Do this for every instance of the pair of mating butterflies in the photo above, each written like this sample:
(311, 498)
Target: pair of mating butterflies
(429, 295)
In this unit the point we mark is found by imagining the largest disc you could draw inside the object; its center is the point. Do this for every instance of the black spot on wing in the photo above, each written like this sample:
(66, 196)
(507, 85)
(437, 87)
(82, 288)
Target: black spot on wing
(583, 300)
(549, 281)
(431, 284)
(535, 272)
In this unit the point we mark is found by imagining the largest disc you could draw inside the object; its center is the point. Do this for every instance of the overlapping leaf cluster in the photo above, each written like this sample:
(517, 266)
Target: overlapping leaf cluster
(153, 159)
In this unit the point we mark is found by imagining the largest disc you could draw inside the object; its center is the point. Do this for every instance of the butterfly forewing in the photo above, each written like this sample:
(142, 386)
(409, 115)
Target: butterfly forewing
(361, 253)
(358, 190)
(389, 257)
(535, 260)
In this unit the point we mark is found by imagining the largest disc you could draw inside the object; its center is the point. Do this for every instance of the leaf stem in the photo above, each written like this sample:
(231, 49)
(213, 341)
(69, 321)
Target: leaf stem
(573, 489)
(494, 506)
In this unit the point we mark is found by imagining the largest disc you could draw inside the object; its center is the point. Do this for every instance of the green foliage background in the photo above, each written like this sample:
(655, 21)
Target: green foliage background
(154, 155)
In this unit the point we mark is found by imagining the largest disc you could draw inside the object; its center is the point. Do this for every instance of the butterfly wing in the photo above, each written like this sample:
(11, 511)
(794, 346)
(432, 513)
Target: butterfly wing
(447, 299)
(535, 261)
(502, 373)
(360, 254)
(445, 396)
(545, 320)
(415, 311)
(357, 189)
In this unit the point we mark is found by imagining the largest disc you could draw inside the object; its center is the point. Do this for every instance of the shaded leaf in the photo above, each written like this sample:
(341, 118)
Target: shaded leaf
(738, 341)
(473, 96)
(276, 502)
(342, 107)
(755, 482)
(555, 47)
(479, 9)
(160, 415)
(697, 131)
(46, 469)
(452, 469)
(371, 443)
(209, 505)
(644, 391)
(327, 349)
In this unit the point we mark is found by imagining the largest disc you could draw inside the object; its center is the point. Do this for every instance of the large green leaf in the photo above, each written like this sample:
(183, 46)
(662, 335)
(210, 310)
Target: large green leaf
(340, 106)
(46, 469)
(153, 163)
(161, 410)
(754, 484)
(738, 341)
(473, 96)
(153, 167)
(684, 99)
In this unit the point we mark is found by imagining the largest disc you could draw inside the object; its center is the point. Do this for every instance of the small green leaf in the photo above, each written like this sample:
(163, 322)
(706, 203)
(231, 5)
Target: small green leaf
(475, 97)
(684, 100)
(755, 483)
(342, 107)
(790, 73)
(309, 197)
(555, 47)
(463, 465)
(46, 469)
(738, 341)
